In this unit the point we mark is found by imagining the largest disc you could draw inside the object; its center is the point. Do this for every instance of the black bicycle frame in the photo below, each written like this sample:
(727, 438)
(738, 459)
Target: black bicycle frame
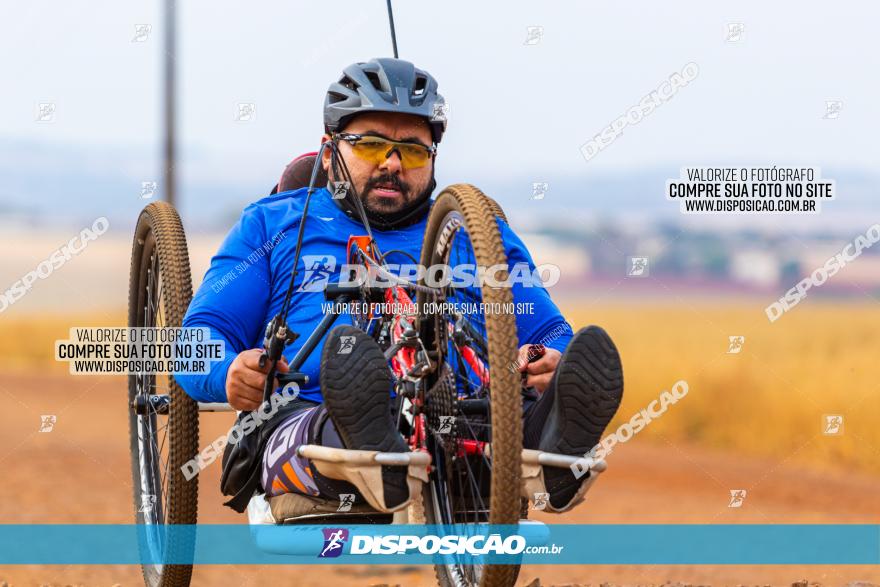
(333, 292)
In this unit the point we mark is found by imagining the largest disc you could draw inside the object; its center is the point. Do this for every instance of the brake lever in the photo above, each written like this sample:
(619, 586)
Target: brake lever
(276, 338)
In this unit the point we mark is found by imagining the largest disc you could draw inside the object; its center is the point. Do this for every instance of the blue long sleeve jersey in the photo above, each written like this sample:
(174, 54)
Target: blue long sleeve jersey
(249, 276)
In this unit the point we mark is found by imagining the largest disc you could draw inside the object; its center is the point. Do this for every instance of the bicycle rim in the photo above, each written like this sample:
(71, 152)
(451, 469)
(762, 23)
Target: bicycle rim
(159, 293)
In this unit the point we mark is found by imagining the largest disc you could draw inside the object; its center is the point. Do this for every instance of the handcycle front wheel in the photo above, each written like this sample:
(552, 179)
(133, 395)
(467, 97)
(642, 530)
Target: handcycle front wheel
(163, 434)
(477, 461)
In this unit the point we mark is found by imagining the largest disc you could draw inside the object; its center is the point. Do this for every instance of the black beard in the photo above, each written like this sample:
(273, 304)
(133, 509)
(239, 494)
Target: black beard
(404, 188)
(412, 211)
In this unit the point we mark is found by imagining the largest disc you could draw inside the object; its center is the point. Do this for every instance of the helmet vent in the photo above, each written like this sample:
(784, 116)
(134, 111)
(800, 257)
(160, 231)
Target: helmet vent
(374, 79)
(335, 97)
(421, 84)
(348, 83)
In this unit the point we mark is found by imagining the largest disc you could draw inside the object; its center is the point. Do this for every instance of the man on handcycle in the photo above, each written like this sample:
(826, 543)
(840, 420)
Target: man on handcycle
(383, 117)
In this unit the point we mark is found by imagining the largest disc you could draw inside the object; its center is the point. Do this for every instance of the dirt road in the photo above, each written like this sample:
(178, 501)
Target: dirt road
(79, 473)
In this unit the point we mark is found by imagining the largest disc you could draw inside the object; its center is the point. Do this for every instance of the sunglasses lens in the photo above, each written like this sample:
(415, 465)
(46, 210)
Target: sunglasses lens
(412, 156)
(375, 150)
(371, 149)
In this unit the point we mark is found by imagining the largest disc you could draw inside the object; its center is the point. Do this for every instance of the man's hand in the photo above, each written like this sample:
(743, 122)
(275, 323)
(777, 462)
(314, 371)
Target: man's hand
(245, 380)
(541, 371)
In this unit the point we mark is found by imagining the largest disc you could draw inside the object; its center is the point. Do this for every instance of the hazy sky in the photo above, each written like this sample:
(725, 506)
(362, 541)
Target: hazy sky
(514, 108)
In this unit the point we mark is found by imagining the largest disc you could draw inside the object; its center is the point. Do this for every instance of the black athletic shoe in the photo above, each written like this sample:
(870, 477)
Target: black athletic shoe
(589, 387)
(356, 385)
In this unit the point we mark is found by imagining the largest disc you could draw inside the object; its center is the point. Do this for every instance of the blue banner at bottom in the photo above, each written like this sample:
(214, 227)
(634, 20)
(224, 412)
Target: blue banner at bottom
(526, 543)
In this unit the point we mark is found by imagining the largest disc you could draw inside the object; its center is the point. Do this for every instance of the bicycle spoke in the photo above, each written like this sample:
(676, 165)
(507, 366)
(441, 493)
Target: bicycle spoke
(164, 436)
(165, 481)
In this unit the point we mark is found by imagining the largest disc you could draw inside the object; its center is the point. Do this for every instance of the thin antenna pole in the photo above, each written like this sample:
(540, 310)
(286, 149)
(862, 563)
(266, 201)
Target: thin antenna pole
(169, 99)
(393, 35)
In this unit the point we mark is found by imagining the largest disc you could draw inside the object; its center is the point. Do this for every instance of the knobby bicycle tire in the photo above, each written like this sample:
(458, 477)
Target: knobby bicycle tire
(160, 243)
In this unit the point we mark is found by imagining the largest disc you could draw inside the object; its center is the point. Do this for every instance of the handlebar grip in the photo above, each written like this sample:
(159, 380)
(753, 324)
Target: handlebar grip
(536, 351)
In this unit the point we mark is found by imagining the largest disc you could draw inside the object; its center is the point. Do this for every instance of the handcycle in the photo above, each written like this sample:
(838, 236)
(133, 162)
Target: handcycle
(457, 397)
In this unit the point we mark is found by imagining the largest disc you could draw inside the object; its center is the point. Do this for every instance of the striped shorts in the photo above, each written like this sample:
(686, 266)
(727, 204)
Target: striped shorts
(283, 470)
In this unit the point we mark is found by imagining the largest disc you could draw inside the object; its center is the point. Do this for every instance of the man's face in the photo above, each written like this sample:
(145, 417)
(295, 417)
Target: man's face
(387, 187)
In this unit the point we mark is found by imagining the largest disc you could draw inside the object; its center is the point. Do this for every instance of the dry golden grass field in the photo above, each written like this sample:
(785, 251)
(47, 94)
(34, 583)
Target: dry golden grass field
(770, 399)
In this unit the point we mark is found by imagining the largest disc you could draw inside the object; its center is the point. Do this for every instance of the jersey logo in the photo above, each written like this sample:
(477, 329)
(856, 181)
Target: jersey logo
(319, 268)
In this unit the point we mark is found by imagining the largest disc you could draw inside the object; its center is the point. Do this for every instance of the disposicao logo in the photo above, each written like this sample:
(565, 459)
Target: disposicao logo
(334, 541)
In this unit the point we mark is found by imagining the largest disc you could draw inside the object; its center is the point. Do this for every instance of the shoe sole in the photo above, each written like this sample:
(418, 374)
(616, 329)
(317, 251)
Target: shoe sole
(589, 388)
(356, 389)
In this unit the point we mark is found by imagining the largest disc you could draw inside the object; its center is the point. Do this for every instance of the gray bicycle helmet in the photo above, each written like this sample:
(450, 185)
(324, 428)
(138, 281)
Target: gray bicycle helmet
(384, 85)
